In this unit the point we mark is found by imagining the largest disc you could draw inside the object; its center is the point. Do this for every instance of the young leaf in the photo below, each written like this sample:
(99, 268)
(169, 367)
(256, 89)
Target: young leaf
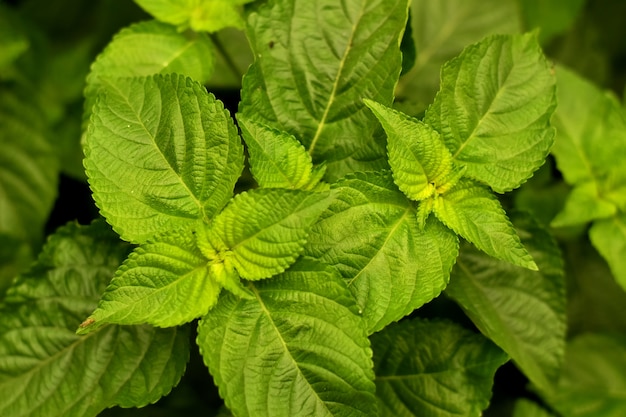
(433, 368)
(263, 231)
(608, 236)
(46, 370)
(161, 153)
(277, 159)
(418, 157)
(299, 348)
(522, 311)
(314, 62)
(583, 205)
(494, 109)
(164, 282)
(370, 234)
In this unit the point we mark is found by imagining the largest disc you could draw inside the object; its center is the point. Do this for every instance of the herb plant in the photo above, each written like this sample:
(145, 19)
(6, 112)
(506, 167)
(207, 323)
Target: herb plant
(314, 244)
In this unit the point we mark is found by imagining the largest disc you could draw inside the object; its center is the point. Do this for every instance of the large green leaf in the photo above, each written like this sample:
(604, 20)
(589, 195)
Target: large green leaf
(494, 109)
(370, 234)
(46, 370)
(299, 348)
(314, 62)
(609, 238)
(161, 153)
(263, 231)
(433, 369)
(441, 29)
(522, 311)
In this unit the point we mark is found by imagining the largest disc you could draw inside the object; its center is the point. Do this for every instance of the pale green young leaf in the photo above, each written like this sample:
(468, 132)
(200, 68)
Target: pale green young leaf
(46, 370)
(299, 348)
(164, 282)
(494, 107)
(522, 311)
(418, 157)
(277, 159)
(528, 408)
(593, 381)
(263, 231)
(583, 205)
(441, 29)
(433, 369)
(314, 62)
(149, 48)
(370, 234)
(161, 153)
(472, 211)
(608, 236)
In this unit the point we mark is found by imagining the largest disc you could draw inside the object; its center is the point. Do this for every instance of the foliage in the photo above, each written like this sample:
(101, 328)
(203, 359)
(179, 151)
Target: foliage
(354, 208)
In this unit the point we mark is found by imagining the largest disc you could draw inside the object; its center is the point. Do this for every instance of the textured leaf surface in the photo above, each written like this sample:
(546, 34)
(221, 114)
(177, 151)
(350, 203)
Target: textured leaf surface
(299, 348)
(370, 234)
(149, 48)
(433, 369)
(277, 159)
(314, 62)
(47, 370)
(593, 383)
(164, 282)
(418, 157)
(494, 107)
(609, 238)
(473, 212)
(263, 231)
(522, 311)
(161, 153)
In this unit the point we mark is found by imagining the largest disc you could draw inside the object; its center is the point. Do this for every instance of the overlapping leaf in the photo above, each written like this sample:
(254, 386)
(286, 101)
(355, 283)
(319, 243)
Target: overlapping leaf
(522, 311)
(299, 348)
(47, 370)
(609, 238)
(370, 234)
(494, 107)
(433, 369)
(312, 70)
(161, 153)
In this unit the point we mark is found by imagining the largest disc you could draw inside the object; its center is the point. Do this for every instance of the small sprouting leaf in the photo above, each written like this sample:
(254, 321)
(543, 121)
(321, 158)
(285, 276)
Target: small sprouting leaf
(370, 234)
(310, 82)
(418, 157)
(263, 231)
(583, 205)
(299, 348)
(433, 368)
(46, 370)
(277, 159)
(608, 236)
(472, 211)
(161, 153)
(164, 282)
(522, 311)
(494, 109)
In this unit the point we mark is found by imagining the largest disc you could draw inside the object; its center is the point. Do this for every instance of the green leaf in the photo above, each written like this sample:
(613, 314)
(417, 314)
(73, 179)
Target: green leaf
(433, 369)
(15, 256)
(13, 39)
(419, 160)
(161, 153)
(527, 408)
(552, 17)
(46, 370)
(494, 109)
(299, 348)
(583, 205)
(28, 167)
(164, 282)
(314, 62)
(149, 48)
(277, 159)
(370, 234)
(522, 311)
(232, 58)
(593, 381)
(473, 212)
(441, 29)
(608, 236)
(263, 231)
(199, 15)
